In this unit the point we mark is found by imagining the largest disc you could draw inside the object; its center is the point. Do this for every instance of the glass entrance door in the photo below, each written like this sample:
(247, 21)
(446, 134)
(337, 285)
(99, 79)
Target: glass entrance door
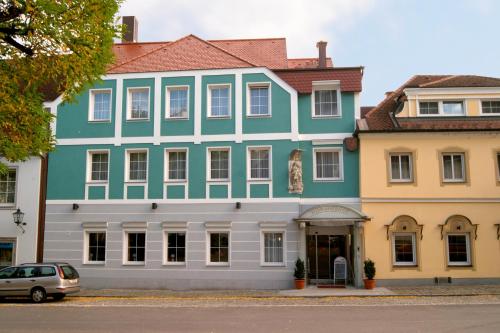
(321, 253)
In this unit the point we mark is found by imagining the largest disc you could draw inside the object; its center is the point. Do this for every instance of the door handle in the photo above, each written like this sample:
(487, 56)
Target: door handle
(7, 281)
(33, 280)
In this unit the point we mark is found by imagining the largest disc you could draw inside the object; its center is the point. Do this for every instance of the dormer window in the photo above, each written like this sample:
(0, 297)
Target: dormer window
(441, 108)
(490, 107)
(326, 99)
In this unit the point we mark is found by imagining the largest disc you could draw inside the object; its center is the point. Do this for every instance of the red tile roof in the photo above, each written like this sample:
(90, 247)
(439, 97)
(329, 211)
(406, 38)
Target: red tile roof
(265, 52)
(187, 53)
(301, 80)
(127, 51)
(307, 63)
(381, 117)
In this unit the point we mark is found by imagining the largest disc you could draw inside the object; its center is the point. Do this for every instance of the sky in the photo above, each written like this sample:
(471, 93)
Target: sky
(392, 39)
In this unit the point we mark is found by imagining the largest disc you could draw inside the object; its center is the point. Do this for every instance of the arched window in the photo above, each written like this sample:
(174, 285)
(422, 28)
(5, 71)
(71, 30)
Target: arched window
(459, 233)
(404, 233)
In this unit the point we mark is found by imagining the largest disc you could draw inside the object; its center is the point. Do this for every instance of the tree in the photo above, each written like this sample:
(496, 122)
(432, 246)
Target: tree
(56, 46)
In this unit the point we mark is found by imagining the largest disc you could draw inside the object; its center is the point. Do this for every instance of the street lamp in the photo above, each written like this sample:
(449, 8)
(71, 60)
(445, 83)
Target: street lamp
(18, 219)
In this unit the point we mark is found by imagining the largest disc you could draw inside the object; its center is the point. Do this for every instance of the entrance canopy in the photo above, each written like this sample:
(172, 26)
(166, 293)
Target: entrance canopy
(332, 215)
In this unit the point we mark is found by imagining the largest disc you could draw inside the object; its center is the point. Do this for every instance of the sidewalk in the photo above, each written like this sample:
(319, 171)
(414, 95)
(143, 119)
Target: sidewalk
(309, 292)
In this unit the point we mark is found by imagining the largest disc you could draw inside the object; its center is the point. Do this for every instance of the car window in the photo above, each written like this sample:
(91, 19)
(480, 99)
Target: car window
(7, 273)
(26, 272)
(47, 271)
(69, 272)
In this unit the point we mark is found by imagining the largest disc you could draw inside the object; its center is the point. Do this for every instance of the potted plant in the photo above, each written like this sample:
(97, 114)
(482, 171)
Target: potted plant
(370, 274)
(299, 274)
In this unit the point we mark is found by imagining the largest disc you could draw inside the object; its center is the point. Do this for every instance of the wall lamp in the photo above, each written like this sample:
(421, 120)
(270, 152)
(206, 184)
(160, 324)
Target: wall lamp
(75, 206)
(238, 205)
(18, 219)
(154, 205)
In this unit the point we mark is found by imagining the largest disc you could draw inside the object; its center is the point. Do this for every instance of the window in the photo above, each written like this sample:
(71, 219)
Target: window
(99, 166)
(219, 247)
(328, 164)
(259, 100)
(401, 167)
(7, 252)
(138, 166)
(498, 166)
(219, 164)
(96, 248)
(176, 247)
(259, 163)
(138, 103)
(8, 188)
(136, 247)
(490, 107)
(404, 249)
(100, 105)
(453, 108)
(453, 167)
(441, 108)
(8, 273)
(176, 165)
(273, 248)
(429, 108)
(325, 103)
(458, 249)
(219, 102)
(178, 102)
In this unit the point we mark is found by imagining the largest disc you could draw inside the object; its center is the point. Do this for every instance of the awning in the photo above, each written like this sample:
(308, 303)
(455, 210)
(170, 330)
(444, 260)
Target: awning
(332, 214)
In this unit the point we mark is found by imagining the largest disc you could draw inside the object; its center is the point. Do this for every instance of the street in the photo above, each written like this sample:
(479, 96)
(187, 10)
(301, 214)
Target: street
(374, 314)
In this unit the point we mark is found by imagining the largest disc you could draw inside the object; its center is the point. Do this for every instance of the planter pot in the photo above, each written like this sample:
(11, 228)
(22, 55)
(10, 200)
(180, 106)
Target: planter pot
(369, 284)
(300, 284)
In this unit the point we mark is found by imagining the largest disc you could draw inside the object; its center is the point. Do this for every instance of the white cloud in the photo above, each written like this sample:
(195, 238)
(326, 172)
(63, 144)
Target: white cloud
(302, 22)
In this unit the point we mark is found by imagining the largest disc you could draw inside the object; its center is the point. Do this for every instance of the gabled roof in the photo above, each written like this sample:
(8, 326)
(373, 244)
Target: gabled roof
(263, 52)
(187, 53)
(381, 117)
(301, 80)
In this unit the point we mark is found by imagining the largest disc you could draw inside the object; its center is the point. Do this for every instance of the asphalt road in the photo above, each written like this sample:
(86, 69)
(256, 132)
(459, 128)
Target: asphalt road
(250, 318)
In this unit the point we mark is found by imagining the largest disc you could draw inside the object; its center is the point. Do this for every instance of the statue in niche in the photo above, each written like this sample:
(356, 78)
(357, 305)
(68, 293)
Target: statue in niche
(295, 184)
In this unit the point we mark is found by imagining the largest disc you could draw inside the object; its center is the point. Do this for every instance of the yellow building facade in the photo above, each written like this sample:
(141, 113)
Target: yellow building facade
(430, 182)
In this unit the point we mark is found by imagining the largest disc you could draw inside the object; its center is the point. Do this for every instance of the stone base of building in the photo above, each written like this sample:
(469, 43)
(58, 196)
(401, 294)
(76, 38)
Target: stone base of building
(442, 281)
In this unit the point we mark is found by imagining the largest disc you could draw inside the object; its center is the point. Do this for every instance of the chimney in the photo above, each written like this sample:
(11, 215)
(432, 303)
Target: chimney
(131, 27)
(321, 45)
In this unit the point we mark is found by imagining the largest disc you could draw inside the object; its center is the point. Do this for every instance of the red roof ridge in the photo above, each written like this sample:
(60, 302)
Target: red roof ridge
(175, 42)
(219, 48)
(448, 77)
(140, 55)
(300, 69)
(138, 43)
(244, 39)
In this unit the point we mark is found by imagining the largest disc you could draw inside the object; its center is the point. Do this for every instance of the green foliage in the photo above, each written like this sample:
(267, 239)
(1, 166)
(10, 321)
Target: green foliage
(300, 272)
(58, 45)
(369, 269)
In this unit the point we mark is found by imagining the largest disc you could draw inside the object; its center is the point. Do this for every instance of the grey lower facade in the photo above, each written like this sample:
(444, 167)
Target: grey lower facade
(68, 227)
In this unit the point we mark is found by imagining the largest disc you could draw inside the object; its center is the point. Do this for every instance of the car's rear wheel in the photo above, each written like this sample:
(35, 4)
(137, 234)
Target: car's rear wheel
(58, 297)
(38, 295)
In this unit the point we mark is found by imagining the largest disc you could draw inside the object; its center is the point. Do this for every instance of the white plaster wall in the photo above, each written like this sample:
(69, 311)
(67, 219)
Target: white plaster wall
(27, 199)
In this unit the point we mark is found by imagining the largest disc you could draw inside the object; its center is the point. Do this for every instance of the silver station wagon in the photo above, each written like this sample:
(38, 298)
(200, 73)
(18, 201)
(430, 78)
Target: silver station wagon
(38, 281)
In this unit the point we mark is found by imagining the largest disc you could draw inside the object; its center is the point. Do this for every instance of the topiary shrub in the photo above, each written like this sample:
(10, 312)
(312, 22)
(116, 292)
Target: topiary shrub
(369, 269)
(300, 272)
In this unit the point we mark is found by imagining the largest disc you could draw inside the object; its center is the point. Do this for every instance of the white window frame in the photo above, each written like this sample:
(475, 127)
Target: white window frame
(126, 232)
(414, 249)
(92, 93)
(399, 154)
(440, 108)
(127, 165)
(209, 100)
(467, 247)
(454, 180)
(251, 85)
(90, 152)
(168, 89)
(341, 164)
(326, 85)
(209, 164)
(86, 242)
(218, 231)
(249, 171)
(166, 168)
(481, 107)
(264, 231)
(130, 90)
(167, 231)
(16, 188)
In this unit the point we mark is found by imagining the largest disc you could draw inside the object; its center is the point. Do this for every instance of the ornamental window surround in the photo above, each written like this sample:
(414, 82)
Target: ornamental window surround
(405, 235)
(459, 235)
